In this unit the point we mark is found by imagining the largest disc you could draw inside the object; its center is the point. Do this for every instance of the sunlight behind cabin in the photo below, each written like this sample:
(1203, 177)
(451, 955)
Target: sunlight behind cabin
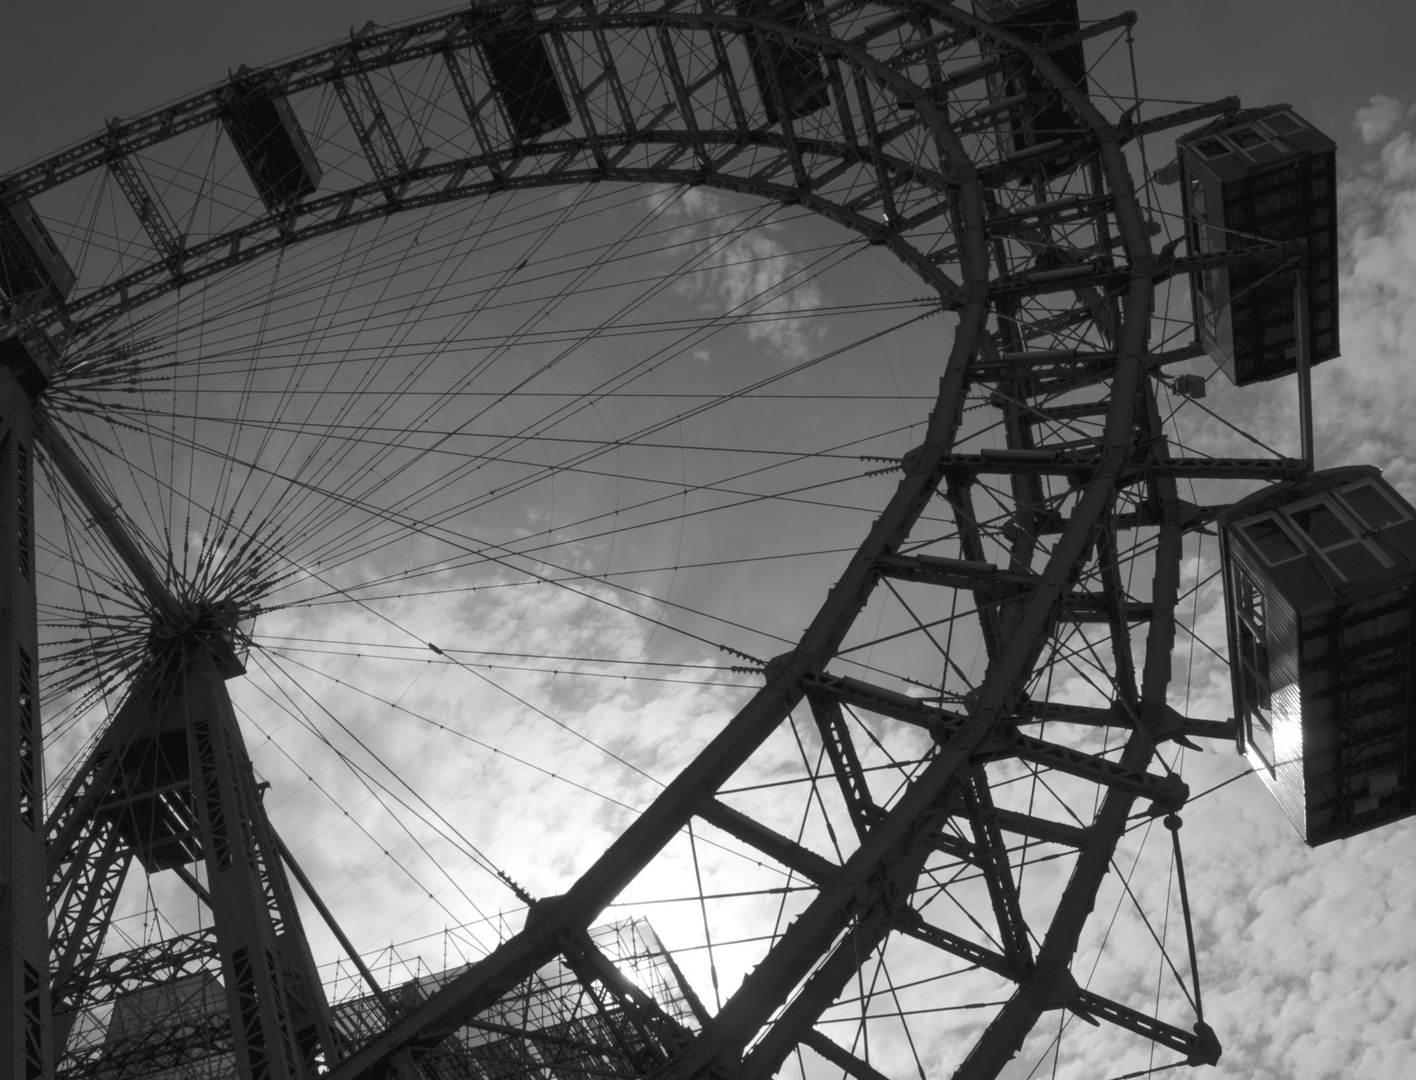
(1319, 578)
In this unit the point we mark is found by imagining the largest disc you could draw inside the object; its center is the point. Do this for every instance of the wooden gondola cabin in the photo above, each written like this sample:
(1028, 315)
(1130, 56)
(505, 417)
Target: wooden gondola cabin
(1320, 588)
(270, 142)
(1261, 175)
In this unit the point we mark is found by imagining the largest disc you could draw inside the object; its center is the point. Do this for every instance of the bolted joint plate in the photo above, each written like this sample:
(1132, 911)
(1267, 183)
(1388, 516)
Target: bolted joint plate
(1206, 1049)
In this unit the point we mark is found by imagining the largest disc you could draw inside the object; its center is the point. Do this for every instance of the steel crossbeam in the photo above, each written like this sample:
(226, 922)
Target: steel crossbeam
(1113, 592)
(151, 214)
(912, 924)
(840, 1057)
(788, 852)
(682, 95)
(845, 763)
(997, 871)
(389, 164)
(473, 110)
(1043, 462)
(990, 585)
(1063, 833)
(1199, 1046)
(578, 96)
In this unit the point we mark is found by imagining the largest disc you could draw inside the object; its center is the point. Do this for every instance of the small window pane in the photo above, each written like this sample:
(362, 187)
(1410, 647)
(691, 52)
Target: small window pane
(1197, 196)
(1355, 562)
(1250, 600)
(1284, 123)
(1211, 148)
(1246, 137)
(1273, 543)
(1261, 741)
(1374, 507)
(1319, 522)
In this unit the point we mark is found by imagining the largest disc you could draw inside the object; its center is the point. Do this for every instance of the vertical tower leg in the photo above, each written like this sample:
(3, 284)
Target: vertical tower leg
(25, 1038)
(279, 1017)
(170, 784)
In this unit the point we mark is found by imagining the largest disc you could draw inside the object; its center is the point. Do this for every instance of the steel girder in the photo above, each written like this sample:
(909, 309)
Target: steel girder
(26, 1043)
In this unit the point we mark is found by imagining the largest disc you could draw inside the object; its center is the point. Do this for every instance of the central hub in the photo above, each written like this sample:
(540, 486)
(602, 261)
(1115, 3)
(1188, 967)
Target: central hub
(212, 626)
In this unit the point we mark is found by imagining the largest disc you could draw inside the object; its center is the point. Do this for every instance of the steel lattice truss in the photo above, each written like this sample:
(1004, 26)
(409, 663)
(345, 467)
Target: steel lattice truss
(1059, 524)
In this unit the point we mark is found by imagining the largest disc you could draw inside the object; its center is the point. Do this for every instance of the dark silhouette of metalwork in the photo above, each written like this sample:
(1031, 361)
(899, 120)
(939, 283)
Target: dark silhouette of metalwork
(963, 140)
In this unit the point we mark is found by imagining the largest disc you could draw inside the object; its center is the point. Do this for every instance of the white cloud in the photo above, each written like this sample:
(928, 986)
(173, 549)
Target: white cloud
(745, 273)
(1366, 398)
(1306, 953)
(1376, 120)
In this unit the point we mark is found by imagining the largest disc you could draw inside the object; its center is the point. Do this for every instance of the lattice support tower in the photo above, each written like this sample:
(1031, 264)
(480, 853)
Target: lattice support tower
(170, 785)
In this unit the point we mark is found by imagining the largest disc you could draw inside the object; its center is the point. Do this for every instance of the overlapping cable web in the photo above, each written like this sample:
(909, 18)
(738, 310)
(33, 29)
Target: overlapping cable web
(516, 497)
(508, 471)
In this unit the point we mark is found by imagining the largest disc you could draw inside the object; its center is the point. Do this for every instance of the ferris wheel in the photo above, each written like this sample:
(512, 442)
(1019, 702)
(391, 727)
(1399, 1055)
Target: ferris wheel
(749, 437)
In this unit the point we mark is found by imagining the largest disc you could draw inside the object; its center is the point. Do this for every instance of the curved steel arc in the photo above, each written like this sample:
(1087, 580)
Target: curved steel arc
(767, 987)
(958, 189)
(1050, 983)
(662, 820)
(137, 298)
(369, 52)
(276, 230)
(812, 933)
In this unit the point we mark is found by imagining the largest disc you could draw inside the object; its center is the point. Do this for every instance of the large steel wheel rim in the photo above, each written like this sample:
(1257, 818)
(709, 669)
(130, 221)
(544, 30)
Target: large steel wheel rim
(1090, 480)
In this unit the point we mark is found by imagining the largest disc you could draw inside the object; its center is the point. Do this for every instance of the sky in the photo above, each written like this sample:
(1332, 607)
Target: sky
(1305, 954)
